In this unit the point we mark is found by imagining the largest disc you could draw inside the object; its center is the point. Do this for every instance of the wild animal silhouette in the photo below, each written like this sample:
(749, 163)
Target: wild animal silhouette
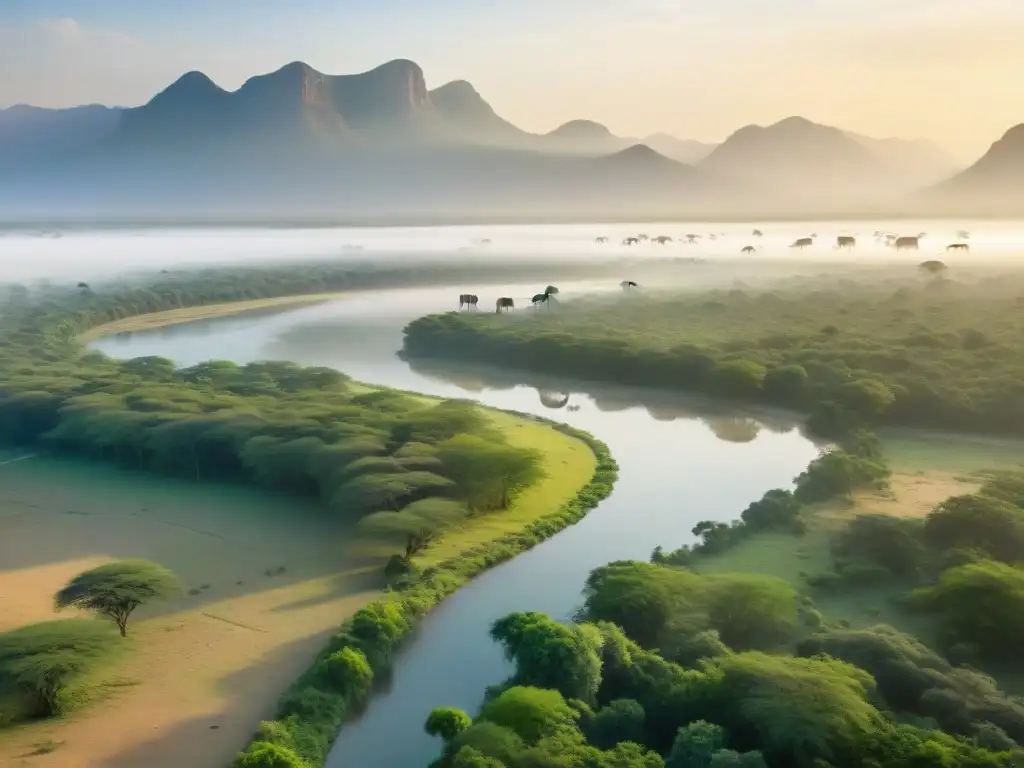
(748, 249)
(601, 239)
(662, 239)
(504, 304)
(692, 238)
(631, 241)
(846, 241)
(758, 233)
(541, 298)
(468, 300)
(906, 243)
(958, 247)
(802, 242)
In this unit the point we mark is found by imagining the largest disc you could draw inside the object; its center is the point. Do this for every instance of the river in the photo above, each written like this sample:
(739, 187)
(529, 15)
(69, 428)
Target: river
(682, 460)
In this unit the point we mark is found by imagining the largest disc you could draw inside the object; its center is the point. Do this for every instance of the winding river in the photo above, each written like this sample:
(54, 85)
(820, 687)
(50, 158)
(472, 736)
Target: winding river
(681, 460)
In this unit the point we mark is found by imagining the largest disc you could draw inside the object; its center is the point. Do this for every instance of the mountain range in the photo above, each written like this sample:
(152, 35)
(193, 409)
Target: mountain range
(381, 143)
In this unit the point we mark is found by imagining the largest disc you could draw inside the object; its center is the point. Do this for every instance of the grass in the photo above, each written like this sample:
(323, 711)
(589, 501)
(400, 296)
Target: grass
(927, 469)
(170, 317)
(568, 464)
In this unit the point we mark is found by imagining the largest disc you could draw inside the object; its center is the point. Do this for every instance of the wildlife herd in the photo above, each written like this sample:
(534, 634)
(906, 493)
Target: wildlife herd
(891, 240)
(843, 242)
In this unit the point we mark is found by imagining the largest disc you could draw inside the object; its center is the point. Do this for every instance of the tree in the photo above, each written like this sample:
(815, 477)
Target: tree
(447, 722)
(417, 523)
(736, 378)
(622, 720)
(548, 654)
(487, 473)
(40, 660)
(786, 385)
(116, 589)
(531, 713)
(980, 603)
(695, 745)
(263, 754)
(977, 522)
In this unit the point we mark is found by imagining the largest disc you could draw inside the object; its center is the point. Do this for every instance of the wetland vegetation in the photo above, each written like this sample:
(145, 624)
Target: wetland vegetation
(893, 348)
(396, 468)
(868, 615)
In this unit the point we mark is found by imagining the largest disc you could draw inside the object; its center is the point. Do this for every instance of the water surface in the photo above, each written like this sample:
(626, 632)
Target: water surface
(682, 460)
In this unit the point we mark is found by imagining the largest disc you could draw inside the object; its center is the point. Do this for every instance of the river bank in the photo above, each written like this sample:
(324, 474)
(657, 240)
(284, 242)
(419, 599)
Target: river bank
(212, 686)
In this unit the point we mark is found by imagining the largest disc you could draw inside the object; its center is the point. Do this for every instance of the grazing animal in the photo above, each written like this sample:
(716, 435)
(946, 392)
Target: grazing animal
(662, 239)
(802, 242)
(540, 298)
(692, 238)
(601, 239)
(627, 284)
(845, 241)
(748, 249)
(906, 243)
(631, 241)
(758, 233)
(504, 303)
(642, 236)
(468, 300)
(958, 247)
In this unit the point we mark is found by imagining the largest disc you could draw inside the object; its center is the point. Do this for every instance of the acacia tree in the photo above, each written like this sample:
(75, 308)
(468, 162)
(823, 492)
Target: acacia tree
(116, 589)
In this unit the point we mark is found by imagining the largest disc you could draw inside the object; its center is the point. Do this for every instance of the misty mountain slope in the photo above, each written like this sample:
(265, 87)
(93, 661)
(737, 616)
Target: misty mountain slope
(998, 171)
(685, 151)
(29, 133)
(473, 119)
(794, 150)
(917, 162)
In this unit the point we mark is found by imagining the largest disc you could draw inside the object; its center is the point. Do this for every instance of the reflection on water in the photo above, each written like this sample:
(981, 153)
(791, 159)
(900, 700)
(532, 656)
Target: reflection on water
(682, 459)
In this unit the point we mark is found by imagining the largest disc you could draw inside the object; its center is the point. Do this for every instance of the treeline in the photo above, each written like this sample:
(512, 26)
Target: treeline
(937, 354)
(359, 657)
(405, 468)
(664, 667)
(857, 463)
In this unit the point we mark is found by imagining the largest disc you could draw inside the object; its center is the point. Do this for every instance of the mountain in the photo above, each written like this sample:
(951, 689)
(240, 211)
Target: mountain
(683, 150)
(475, 121)
(917, 161)
(792, 150)
(30, 133)
(293, 109)
(994, 184)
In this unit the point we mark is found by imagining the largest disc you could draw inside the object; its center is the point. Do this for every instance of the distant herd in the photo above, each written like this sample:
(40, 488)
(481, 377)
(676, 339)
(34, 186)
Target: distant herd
(843, 242)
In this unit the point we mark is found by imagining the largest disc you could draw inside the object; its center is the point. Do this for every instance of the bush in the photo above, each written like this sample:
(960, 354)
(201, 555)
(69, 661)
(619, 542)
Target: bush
(38, 662)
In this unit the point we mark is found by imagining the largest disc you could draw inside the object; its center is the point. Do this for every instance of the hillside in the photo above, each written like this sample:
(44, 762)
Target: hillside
(996, 180)
(31, 133)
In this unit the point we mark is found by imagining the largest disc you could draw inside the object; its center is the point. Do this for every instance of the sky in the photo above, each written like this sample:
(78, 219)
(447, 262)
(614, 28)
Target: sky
(948, 70)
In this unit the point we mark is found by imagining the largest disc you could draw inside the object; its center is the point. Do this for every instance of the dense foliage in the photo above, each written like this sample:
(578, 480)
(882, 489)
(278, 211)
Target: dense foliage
(401, 465)
(38, 663)
(318, 704)
(916, 352)
(744, 708)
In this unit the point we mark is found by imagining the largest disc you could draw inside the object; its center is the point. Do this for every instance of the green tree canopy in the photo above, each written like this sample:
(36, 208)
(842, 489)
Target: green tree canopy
(116, 589)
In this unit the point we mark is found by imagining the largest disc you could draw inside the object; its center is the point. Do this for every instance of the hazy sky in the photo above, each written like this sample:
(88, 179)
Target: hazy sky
(949, 70)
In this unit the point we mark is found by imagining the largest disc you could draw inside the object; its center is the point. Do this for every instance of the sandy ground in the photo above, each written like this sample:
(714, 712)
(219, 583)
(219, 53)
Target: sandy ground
(205, 312)
(205, 669)
(909, 495)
